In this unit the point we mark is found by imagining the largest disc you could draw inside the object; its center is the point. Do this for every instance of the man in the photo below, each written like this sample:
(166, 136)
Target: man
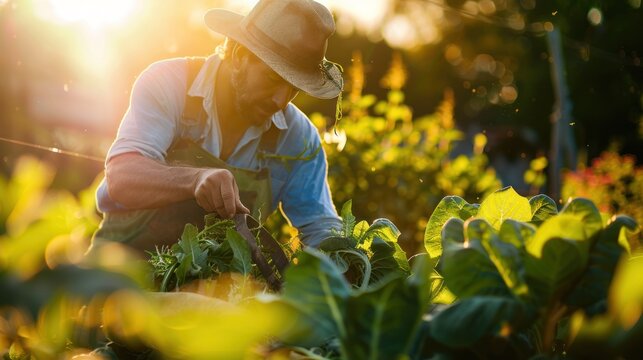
(221, 135)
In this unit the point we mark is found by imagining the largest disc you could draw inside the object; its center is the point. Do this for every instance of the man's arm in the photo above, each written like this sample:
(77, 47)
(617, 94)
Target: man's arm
(138, 182)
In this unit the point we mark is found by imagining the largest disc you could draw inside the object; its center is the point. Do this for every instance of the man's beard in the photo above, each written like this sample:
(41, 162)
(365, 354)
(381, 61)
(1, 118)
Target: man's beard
(242, 105)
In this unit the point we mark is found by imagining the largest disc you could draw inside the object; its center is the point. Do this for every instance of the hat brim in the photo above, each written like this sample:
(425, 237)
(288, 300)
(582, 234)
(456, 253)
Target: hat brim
(321, 83)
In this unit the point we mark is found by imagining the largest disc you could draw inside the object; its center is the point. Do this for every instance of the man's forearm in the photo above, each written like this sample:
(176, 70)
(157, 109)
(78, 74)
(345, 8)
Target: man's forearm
(141, 183)
(138, 182)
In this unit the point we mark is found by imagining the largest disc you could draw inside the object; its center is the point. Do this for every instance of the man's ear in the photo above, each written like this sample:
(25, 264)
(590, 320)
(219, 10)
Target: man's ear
(239, 56)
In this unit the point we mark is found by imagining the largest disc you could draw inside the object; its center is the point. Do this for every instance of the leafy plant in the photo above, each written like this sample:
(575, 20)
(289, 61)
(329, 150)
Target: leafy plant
(396, 165)
(518, 266)
(381, 322)
(365, 253)
(215, 250)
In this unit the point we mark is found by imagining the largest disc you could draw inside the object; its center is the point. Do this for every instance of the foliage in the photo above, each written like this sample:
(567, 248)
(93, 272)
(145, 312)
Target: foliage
(382, 322)
(513, 275)
(216, 250)
(45, 278)
(613, 182)
(521, 264)
(618, 331)
(397, 166)
(366, 254)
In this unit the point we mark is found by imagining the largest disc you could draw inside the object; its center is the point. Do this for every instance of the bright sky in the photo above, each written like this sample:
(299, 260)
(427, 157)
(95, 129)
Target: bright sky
(91, 13)
(371, 17)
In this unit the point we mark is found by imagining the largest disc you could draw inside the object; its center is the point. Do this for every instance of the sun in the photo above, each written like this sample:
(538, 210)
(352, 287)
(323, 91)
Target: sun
(93, 13)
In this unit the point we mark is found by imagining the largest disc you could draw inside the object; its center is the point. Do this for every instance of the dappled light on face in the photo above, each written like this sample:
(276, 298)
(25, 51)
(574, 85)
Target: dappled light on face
(92, 13)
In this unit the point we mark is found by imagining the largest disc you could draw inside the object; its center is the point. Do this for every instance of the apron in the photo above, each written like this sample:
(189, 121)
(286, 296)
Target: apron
(149, 228)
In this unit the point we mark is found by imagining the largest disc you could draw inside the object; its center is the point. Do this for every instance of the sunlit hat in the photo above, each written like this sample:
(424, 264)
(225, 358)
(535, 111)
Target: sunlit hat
(291, 37)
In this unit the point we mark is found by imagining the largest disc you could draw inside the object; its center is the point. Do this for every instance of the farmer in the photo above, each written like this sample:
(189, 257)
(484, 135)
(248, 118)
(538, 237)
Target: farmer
(220, 135)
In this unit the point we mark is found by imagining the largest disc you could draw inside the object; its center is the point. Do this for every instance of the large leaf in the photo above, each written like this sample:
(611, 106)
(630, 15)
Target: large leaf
(450, 206)
(557, 255)
(542, 208)
(603, 259)
(469, 321)
(383, 322)
(316, 291)
(504, 255)
(557, 266)
(587, 212)
(242, 260)
(563, 226)
(468, 271)
(388, 259)
(502, 205)
(516, 233)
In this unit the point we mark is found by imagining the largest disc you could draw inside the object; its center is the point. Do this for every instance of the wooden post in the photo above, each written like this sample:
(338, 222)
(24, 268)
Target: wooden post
(563, 146)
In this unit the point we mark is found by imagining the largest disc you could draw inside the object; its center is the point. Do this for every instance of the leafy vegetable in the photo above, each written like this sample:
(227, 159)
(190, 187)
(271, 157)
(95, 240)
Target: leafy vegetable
(215, 250)
(520, 265)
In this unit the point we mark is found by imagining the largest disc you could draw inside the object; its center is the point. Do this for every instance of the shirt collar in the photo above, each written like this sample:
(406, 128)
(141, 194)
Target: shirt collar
(203, 86)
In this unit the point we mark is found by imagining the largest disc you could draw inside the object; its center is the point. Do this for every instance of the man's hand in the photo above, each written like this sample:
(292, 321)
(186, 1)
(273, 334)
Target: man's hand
(215, 190)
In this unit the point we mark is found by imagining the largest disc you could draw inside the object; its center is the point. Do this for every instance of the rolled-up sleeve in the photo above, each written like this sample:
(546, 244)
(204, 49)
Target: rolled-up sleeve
(149, 125)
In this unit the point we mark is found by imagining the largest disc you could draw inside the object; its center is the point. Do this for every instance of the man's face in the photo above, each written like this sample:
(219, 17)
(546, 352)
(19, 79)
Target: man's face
(259, 91)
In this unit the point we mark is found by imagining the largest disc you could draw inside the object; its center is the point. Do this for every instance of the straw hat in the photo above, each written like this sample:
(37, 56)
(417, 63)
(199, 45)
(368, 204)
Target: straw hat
(291, 37)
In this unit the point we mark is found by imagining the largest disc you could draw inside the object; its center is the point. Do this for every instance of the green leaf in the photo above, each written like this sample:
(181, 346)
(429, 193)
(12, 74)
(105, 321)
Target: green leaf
(440, 293)
(317, 291)
(554, 270)
(450, 206)
(566, 226)
(504, 255)
(355, 266)
(388, 259)
(184, 268)
(587, 212)
(189, 245)
(335, 243)
(383, 322)
(557, 254)
(242, 260)
(453, 233)
(382, 228)
(604, 256)
(516, 233)
(348, 220)
(469, 321)
(466, 267)
(360, 230)
(542, 208)
(504, 204)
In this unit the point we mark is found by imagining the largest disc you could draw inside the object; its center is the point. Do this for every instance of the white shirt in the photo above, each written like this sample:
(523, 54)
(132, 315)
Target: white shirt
(152, 123)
